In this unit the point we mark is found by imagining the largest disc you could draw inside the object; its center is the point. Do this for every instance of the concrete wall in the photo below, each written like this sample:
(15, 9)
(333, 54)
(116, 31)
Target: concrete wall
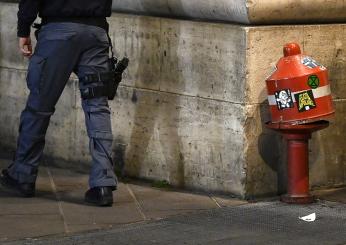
(193, 103)
(241, 11)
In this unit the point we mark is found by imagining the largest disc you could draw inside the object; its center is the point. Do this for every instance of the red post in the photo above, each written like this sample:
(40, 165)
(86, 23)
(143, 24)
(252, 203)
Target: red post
(297, 168)
(297, 137)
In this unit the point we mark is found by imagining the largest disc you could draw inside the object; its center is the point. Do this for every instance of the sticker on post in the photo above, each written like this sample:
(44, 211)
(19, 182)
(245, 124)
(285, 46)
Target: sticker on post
(284, 99)
(305, 101)
(313, 82)
(272, 71)
(311, 63)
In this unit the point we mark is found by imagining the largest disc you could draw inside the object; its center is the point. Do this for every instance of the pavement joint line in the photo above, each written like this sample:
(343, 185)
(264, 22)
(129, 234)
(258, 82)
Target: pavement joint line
(139, 207)
(216, 202)
(61, 211)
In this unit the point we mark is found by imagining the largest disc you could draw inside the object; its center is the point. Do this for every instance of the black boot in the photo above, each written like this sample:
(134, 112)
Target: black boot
(12, 186)
(100, 196)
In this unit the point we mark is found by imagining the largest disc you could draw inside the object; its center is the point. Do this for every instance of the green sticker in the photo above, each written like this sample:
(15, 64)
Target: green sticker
(314, 82)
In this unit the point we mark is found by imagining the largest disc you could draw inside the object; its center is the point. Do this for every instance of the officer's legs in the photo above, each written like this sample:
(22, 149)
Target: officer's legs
(97, 113)
(49, 70)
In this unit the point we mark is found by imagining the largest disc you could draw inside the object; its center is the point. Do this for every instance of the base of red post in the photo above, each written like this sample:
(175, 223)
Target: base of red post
(297, 137)
(297, 199)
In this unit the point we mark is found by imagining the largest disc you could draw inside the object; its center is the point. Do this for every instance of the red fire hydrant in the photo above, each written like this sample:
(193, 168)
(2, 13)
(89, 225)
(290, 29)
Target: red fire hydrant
(300, 102)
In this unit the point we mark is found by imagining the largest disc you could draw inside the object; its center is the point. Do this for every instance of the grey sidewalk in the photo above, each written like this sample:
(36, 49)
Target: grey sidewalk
(58, 208)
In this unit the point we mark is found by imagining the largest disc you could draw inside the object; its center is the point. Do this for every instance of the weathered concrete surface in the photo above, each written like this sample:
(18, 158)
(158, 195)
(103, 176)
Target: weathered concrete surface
(240, 11)
(193, 103)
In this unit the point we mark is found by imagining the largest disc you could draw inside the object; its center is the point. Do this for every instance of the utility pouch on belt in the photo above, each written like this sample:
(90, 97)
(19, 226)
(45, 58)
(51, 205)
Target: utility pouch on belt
(110, 80)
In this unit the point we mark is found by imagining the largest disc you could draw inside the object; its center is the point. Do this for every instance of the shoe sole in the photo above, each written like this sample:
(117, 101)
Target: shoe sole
(105, 202)
(13, 190)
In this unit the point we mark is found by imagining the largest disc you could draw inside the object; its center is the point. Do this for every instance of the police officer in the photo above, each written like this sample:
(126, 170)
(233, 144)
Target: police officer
(73, 38)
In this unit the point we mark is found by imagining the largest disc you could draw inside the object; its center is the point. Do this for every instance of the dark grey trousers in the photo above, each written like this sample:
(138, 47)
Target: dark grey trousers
(63, 48)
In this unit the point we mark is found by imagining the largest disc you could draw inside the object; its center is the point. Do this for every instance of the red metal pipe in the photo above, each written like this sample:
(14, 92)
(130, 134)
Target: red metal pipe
(297, 168)
(297, 137)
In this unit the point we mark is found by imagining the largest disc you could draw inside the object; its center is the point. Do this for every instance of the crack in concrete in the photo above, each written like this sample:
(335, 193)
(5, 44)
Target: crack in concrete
(61, 211)
(215, 201)
(138, 205)
(186, 95)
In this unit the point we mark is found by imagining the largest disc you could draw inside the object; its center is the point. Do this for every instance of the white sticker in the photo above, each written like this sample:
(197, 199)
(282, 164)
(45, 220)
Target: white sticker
(311, 63)
(272, 71)
(284, 99)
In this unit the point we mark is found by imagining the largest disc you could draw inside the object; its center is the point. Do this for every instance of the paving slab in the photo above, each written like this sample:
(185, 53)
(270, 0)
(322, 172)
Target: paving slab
(45, 203)
(14, 227)
(157, 203)
(70, 188)
(228, 202)
(24, 218)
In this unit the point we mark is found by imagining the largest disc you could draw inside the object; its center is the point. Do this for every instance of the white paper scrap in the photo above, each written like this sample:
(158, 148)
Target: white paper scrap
(309, 218)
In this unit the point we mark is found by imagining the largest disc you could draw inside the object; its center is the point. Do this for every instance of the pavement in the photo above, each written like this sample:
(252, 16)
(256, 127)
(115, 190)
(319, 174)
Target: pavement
(143, 214)
(59, 209)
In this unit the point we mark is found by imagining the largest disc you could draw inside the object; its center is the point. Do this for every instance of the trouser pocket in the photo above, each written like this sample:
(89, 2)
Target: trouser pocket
(36, 74)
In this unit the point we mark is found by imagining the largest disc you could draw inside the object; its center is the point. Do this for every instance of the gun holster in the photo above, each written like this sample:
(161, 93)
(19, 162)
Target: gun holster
(110, 80)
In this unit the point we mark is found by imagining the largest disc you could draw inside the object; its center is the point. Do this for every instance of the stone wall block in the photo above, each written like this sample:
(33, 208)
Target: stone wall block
(241, 11)
(9, 51)
(203, 59)
(265, 45)
(327, 152)
(139, 39)
(178, 137)
(12, 102)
